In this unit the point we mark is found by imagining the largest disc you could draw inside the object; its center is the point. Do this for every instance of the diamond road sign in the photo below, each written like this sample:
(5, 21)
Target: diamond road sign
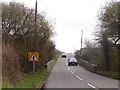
(33, 56)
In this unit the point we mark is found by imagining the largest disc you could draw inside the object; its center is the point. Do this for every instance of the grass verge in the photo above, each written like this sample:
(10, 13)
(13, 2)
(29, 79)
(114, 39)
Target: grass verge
(28, 80)
(110, 74)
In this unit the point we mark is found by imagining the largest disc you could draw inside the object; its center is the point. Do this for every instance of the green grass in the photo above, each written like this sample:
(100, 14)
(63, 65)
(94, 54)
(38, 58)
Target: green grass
(7, 85)
(56, 56)
(109, 74)
(28, 80)
(31, 80)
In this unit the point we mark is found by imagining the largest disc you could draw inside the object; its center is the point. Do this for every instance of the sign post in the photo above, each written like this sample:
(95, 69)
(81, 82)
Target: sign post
(33, 57)
(33, 67)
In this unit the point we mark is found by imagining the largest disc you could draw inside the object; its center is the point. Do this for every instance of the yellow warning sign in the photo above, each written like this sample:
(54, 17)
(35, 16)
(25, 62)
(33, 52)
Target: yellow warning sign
(33, 56)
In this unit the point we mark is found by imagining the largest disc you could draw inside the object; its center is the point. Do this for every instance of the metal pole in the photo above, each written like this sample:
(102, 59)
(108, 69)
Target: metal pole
(33, 67)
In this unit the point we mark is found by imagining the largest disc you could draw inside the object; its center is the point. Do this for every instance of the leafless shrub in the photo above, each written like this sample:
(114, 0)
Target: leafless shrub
(10, 64)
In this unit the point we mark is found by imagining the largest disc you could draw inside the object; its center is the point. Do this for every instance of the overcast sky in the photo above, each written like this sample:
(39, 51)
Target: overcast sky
(71, 16)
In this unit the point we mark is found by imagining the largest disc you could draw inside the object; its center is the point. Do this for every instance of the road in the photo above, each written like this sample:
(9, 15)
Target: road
(64, 76)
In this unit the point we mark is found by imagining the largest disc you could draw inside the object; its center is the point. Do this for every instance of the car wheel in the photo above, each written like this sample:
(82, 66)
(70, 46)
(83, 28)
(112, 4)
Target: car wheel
(69, 64)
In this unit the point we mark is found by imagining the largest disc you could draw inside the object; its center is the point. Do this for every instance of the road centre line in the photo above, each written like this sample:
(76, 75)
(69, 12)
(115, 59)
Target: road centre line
(78, 78)
(71, 72)
(75, 75)
(82, 79)
(69, 69)
(92, 86)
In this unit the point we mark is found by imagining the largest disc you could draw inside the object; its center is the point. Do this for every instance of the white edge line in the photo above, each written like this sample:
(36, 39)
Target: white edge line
(79, 78)
(92, 86)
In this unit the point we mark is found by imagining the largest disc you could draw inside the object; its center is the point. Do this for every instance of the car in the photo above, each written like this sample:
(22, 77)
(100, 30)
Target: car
(72, 61)
(63, 56)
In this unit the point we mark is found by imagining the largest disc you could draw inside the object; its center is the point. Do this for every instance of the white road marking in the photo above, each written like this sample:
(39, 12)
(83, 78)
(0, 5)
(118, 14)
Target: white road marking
(69, 69)
(79, 78)
(92, 86)
(75, 75)
(82, 79)
(71, 72)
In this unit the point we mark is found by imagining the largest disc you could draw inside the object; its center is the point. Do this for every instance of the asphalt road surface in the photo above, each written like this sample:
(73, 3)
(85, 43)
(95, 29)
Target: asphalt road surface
(64, 76)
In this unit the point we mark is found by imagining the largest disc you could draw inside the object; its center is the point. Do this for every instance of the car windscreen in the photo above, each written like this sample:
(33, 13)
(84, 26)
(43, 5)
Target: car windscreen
(73, 60)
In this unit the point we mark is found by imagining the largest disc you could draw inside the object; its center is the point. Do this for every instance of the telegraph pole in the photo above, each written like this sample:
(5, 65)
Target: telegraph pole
(35, 33)
(35, 15)
(81, 43)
